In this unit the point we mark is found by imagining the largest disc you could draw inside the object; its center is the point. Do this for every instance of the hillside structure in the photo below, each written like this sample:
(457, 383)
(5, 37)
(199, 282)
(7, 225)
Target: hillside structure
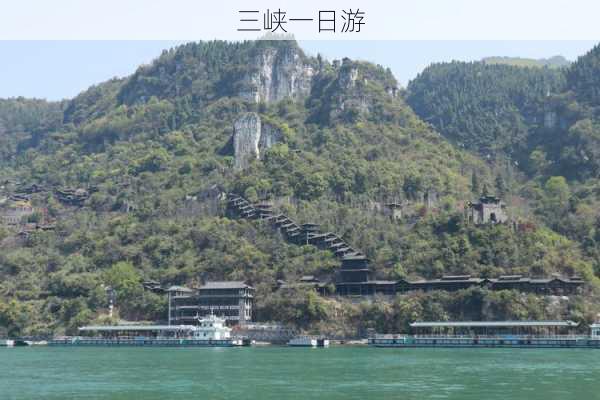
(354, 278)
(230, 300)
(488, 210)
(12, 212)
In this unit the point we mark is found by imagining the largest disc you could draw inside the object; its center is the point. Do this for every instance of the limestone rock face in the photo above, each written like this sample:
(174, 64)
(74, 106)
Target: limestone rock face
(246, 136)
(347, 78)
(269, 136)
(279, 74)
(251, 138)
(350, 97)
(355, 88)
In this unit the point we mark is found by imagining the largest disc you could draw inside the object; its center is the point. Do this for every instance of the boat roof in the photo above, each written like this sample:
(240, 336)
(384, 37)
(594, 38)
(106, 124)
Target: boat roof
(137, 328)
(493, 324)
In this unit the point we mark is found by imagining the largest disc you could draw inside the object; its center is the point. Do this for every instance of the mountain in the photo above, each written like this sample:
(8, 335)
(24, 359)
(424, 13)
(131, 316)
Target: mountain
(489, 108)
(23, 121)
(543, 121)
(127, 178)
(541, 118)
(551, 62)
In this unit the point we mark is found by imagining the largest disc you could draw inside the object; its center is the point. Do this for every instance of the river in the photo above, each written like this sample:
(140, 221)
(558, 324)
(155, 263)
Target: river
(298, 373)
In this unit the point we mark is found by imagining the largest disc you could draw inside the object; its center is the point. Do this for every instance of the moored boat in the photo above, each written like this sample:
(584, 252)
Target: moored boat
(308, 341)
(211, 332)
(480, 334)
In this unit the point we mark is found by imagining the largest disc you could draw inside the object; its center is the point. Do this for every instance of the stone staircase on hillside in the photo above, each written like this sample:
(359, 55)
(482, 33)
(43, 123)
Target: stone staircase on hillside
(300, 234)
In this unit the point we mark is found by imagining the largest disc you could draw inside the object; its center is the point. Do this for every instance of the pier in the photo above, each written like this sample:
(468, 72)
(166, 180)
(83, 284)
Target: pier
(477, 334)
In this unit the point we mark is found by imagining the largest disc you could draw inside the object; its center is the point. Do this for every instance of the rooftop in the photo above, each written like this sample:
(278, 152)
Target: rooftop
(225, 285)
(354, 257)
(502, 279)
(449, 280)
(492, 324)
(113, 328)
(489, 199)
(456, 277)
(179, 289)
(393, 205)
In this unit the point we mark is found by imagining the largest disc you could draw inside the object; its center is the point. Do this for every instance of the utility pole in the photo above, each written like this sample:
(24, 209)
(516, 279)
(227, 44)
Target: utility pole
(169, 296)
(111, 300)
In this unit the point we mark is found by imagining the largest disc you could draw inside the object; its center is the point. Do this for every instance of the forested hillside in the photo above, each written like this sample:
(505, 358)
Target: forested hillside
(488, 108)
(552, 62)
(543, 121)
(151, 151)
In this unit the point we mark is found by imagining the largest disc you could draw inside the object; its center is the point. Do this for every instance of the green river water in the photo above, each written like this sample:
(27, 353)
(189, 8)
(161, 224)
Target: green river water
(298, 373)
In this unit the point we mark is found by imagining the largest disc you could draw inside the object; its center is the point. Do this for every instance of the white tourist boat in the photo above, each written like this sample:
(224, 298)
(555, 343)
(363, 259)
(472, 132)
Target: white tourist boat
(211, 328)
(308, 341)
(211, 331)
(7, 343)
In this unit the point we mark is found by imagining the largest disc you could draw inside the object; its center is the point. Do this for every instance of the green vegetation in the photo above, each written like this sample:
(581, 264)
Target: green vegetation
(488, 108)
(552, 62)
(157, 145)
(543, 121)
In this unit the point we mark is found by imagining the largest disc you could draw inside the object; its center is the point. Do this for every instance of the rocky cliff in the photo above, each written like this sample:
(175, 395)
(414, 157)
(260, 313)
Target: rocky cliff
(251, 137)
(278, 73)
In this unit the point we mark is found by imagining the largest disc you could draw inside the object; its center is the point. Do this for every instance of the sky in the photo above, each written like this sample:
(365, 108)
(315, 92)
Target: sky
(383, 19)
(57, 70)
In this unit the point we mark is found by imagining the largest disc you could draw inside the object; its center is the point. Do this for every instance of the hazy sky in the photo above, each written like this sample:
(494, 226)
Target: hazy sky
(61, 69)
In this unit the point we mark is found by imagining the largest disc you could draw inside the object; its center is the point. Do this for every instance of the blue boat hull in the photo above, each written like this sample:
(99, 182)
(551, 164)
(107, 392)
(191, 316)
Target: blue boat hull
(412, 342)
(142, 342)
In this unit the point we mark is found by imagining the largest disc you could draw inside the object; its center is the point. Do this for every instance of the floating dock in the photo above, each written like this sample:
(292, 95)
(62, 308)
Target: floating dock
(502, 334)
(309, 341)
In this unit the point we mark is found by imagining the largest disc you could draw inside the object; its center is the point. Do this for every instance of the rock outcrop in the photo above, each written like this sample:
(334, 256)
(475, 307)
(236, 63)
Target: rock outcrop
(246, 136)
(356, 90)
(279, 73)
(251, 137)
(269, 135)
(354, 79)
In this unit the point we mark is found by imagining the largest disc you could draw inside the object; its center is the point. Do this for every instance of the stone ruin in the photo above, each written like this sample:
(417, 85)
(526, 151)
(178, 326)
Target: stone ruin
(488, 210)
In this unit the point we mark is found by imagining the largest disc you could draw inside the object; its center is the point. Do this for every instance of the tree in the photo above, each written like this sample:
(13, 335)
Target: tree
(14, 317)
(122, 276)
(475, 183)
(311, 186)
(125, 280)
(500, 186)
(556, 195)
(485, 191)
(538, 162)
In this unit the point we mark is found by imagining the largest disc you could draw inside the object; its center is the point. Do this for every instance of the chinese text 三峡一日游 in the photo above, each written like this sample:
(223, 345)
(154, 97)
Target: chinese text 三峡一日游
(278, 21)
